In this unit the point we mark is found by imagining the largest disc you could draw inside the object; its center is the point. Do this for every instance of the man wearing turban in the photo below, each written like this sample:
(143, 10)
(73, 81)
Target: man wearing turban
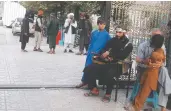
(38, 31)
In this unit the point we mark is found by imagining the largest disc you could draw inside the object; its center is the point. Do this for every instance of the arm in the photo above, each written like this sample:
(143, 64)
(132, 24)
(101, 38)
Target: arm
(91, 42)
(66, 23)
(74, 24)
(97, 47)
(140, 54)
(39, 22)
(164, 49)
(90, 26)
(25, 27)
(124, 53)
(48, 27)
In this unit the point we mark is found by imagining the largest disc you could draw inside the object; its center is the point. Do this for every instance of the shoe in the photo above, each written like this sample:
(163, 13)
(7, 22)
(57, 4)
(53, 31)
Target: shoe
(131, 108)
(35, 49)
(79, 53)
(93, 92)
(39, 50)
(53, 52)
(71, 51)
(85, 53)
(50, 52)
(24, 50)
(127, 104)
(106, 98)
(81, 85)
(65, 51)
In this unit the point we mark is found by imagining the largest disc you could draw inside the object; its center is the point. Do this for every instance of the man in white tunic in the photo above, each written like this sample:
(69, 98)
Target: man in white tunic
(70, 31)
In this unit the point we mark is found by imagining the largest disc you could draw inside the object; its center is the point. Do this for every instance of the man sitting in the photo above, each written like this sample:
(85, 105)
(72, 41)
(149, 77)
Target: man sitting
(118, 48)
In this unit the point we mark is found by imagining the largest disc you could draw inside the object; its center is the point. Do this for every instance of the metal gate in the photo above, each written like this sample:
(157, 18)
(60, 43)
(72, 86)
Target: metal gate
(139, 17)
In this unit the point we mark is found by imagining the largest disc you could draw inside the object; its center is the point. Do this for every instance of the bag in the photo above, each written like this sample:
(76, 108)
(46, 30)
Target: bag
(100, 60)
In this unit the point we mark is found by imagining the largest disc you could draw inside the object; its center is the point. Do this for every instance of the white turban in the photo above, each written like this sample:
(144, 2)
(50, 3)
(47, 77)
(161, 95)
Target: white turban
(69, 15)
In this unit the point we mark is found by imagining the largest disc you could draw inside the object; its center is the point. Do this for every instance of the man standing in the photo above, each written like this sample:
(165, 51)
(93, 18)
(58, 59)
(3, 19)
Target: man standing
(99, 38)
(52, 31)
(70, 31)
(24, 36)
(85, 28)
(38, 31)
(144, 52)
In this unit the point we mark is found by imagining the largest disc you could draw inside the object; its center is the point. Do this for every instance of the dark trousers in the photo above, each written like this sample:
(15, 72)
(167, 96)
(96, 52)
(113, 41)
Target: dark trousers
(23, 45)
(82, 46)
(104, 72)
(86, 47)
(52, 47)
(83, 43)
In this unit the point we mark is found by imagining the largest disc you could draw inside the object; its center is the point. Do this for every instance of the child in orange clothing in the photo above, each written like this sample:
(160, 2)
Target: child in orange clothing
(149, 79)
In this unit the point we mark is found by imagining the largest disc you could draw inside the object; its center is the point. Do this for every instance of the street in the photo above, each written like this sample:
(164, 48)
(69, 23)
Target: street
(34, 69)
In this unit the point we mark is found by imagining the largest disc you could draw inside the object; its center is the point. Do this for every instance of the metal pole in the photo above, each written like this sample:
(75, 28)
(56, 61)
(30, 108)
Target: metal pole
(107, 13)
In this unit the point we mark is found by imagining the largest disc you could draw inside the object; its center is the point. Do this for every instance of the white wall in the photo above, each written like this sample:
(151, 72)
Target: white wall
(12, 10)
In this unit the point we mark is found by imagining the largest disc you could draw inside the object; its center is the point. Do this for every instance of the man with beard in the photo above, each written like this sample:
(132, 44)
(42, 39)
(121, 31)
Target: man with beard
(52, 31)
(118, 48)
(85, 28)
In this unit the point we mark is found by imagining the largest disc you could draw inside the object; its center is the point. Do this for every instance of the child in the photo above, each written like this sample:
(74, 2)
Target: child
(149, 79)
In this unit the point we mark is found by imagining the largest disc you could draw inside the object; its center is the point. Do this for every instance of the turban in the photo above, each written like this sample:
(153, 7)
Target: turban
(40, 12)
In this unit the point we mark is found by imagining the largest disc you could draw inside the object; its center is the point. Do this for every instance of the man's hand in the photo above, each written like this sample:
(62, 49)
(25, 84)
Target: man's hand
(156, 65)
(110, 59)
(104, 55)
(95, 57)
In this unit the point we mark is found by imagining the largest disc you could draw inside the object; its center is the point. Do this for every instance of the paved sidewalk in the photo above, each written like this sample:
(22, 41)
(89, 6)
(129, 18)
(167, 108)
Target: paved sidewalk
(34, 68)
(55, 100)
(42, 69)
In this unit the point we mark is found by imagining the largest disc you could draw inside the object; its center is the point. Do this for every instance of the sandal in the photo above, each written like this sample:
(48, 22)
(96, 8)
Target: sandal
(53, 52)
(93, 92)
(106, 98)
(50, 52)
(81, 85)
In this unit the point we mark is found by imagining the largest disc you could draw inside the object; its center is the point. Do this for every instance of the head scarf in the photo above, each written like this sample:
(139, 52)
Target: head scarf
(70, 15)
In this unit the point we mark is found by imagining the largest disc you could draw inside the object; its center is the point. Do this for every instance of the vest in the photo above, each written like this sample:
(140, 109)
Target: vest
(37, 28)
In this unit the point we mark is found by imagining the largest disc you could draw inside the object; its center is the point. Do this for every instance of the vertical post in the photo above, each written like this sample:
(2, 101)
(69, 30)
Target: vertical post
(168, 46)
(106, 13)
(169, 51)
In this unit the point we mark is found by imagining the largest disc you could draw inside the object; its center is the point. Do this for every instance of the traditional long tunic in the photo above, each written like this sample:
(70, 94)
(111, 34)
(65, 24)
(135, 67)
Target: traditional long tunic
(98, 42)
(52, 31)
(24, 30)
(69, 36)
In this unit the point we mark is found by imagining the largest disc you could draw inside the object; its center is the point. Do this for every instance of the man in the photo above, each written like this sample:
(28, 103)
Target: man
(144, 52)
(118, 48)
(149, 77)
(85, 28)
(99, 38)
(24, 36)
(52, 31)
(70, 31)
(38, 32)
